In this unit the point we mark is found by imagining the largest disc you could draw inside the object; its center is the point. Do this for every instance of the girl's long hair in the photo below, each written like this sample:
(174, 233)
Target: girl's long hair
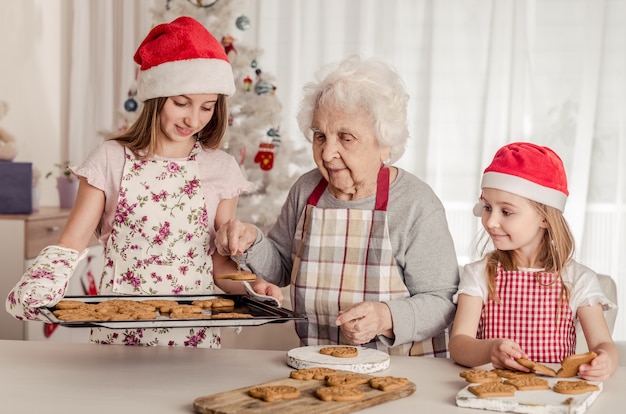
(557, 249)
(141, 136)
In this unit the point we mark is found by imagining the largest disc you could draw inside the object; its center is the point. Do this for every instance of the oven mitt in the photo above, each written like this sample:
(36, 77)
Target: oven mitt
(44, 282)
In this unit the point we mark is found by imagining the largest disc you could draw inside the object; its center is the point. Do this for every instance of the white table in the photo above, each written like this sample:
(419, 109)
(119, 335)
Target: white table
(87, 378)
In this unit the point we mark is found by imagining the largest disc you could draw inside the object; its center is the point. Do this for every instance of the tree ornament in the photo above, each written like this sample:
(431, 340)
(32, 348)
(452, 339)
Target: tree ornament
(229, 45)
(265, 156)
(253, 64)
(131, 104)
(247, 83)
(275, 135)
(262, 87)
(242, 22)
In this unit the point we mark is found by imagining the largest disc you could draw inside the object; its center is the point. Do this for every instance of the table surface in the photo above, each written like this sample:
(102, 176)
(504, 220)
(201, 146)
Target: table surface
(81, 377)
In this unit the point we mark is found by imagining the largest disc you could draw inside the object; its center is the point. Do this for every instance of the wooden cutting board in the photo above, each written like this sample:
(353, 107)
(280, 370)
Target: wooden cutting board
(239, 401)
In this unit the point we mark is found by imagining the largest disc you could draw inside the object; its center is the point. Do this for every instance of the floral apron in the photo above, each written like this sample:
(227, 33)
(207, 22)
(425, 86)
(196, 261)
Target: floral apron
(531, 314)
(159, 245)
(343, 257)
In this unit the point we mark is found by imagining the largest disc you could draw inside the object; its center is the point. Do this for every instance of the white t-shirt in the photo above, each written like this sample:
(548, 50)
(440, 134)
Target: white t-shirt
(581, 281)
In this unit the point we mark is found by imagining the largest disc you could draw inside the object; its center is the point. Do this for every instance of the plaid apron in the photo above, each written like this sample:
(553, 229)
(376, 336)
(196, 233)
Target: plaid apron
(527, 314)
(159, 245)
(343, 257)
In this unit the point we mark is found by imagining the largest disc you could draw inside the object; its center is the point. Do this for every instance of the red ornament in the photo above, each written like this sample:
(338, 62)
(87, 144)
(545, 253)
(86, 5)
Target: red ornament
(265, 156)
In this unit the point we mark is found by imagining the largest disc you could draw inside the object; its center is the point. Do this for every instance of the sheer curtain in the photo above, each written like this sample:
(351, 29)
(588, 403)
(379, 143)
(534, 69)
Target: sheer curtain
(101, 40)
(482, 73)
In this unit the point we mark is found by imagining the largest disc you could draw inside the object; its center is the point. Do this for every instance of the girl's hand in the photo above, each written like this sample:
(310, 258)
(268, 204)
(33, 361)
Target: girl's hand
(263, 287)
(504, 352)
(599, 369)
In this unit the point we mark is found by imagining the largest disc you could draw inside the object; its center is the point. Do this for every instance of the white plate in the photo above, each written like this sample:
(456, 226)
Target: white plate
(369, 360)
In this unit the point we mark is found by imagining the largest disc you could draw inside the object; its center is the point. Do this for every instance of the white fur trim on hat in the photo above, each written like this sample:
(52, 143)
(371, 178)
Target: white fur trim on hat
(524, 188)
(181, 77)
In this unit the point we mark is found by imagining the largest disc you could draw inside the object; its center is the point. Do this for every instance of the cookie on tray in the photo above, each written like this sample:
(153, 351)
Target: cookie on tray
(316, 373)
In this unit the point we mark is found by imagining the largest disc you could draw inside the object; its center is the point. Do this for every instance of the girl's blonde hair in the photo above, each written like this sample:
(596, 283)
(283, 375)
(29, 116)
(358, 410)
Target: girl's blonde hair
(557, 249)
(141, 136)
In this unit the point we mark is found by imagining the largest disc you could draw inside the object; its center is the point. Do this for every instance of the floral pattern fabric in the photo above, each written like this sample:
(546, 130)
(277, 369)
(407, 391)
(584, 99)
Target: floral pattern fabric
(159, 245)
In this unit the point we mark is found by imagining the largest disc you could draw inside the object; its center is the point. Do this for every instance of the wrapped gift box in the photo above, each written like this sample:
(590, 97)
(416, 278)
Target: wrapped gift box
(16, 187)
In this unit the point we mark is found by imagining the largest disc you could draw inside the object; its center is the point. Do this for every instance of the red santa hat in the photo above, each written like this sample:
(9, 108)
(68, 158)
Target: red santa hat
(530, 171)
(182, 57)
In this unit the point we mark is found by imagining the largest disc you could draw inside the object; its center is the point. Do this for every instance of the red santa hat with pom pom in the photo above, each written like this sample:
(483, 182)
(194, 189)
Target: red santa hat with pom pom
(182, 57)
(527, 170)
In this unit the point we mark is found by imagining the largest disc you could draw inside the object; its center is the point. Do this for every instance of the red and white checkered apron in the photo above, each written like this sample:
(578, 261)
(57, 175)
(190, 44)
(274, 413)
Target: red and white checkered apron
(527, 314)
(343, 257)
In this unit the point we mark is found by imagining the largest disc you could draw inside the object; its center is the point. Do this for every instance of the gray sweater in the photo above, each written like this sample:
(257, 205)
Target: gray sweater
(420, 238)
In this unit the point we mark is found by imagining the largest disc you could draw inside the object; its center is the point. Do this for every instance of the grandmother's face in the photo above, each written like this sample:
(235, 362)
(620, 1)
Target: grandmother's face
(347, 152)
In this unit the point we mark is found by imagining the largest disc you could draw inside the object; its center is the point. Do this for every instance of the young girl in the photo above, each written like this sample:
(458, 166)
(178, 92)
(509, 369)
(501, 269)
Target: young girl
(522, 299)
(156, 193)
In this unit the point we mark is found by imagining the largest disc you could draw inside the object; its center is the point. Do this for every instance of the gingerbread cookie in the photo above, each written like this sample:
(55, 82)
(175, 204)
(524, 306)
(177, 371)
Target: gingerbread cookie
(272, 393)
(237, 276)
(570, 364)
(340, 351)
(528, 383)
(479, 376)
(316, 373)
(492, 389)
(347, 380)
(510, 374)
(388, 383)
(536, 367)
(339, 393)
(574, 387)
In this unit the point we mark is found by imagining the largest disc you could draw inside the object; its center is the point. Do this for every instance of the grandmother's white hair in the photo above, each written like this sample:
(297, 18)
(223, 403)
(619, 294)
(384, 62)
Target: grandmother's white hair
(356, 83)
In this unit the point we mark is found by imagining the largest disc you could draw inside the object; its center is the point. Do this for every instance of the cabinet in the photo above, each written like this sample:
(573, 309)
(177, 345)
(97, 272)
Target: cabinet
(22, 236)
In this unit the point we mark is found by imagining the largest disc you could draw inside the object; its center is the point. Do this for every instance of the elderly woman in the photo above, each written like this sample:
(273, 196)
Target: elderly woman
(364, 245)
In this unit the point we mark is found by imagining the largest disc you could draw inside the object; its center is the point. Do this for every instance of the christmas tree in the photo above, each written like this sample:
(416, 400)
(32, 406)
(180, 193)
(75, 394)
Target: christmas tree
(268, 159)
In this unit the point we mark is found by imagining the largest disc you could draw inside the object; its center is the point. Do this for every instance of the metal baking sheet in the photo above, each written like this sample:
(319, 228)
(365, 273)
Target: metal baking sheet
(262, 313)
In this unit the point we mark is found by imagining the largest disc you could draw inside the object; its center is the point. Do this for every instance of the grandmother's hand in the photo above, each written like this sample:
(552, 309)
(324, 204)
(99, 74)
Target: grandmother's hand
(364, 321)
(234, 238)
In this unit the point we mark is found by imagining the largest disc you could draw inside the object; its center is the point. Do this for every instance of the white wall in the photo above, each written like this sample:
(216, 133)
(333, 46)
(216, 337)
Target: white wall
(31, 84)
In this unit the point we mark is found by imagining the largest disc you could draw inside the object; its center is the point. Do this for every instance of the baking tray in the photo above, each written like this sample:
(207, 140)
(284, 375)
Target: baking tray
(262, 312)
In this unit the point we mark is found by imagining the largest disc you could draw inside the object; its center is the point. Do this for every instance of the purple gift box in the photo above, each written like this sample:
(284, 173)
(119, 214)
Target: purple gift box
(16, 187)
